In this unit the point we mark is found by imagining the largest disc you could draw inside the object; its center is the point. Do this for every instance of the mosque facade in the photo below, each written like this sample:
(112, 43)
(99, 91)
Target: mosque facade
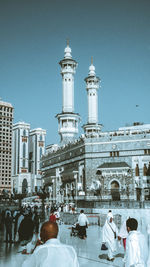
(98, 166)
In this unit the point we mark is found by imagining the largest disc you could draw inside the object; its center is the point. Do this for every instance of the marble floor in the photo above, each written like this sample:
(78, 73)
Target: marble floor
(88, 251)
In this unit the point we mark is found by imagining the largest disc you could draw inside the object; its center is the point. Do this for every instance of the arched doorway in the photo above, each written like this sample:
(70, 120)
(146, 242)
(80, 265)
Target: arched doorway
(24, 186)
(115, 191)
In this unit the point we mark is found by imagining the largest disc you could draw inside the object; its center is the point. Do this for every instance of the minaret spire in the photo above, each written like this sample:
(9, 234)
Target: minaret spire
(68, 42)
(92, 84)
(67, 51)
(68, 120)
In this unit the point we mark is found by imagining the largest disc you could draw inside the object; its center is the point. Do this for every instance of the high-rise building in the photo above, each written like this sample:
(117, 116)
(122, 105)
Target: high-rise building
(6, 120)
(28, 147)
(36, 150)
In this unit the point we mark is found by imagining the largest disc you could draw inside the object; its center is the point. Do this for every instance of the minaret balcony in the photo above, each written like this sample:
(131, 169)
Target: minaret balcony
(92, 86)
(68, 130)
(68, 70)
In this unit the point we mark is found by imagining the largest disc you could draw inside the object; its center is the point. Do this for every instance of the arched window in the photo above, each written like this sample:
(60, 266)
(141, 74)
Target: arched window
(137, 170)
(148, 170)
(114, 185)
(115, 191)
(144, 170)
(24, 186)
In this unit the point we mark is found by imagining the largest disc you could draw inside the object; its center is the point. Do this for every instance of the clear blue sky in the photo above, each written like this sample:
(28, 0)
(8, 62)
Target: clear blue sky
(32, 40)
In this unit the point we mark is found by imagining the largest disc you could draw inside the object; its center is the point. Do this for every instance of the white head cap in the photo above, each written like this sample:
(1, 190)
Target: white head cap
(110, 215)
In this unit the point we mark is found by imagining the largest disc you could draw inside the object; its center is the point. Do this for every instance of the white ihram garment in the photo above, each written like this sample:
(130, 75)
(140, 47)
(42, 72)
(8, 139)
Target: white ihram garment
(136, 250)
(108, 237)
(52, 253)
(82, 219)
(123, 231)
(148, 232)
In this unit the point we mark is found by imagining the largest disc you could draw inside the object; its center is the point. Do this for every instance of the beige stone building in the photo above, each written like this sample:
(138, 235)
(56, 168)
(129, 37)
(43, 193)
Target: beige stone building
(6, 121)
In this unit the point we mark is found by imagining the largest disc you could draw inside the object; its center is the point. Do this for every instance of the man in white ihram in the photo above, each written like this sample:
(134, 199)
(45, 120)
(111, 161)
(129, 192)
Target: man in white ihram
(136, 246)
(83, 223)
(108, 236)
(50, 252)
(148, 232)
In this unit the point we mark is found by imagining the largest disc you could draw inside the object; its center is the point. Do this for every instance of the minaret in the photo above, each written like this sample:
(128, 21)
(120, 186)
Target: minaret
(92, 84)
(68, 120)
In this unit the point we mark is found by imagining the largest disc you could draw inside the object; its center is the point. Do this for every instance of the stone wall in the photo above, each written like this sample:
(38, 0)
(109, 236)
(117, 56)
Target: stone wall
(94, 219)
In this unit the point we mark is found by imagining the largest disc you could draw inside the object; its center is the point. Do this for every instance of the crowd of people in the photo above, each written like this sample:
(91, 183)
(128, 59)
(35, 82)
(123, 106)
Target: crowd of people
(23, 226)
(20, 224)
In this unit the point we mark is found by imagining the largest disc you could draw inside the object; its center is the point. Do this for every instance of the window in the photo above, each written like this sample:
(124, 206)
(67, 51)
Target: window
(114, 154)
(144, 170)
(24, 150)
(24, 163)
(41, 152)
(137, 170)
(24, 132)
(147, 151)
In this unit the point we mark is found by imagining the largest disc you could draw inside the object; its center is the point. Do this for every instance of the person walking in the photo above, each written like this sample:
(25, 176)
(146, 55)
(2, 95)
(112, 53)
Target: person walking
(109, 235)
(26, 229)
(52, 217)
(36, 221)
(57, 214)
(136, 246)
(148, 233)
(50, 251)
(15, 219)
(8, 225)
(123, 234)
(83, 224)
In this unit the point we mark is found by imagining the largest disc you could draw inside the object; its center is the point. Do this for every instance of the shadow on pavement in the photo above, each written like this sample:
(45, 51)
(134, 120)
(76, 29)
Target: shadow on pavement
(119, 255)
(104, 256)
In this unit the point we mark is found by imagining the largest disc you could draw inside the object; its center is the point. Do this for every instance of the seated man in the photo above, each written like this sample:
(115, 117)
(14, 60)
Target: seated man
(136, 246)
(75, 229)
(50, 252)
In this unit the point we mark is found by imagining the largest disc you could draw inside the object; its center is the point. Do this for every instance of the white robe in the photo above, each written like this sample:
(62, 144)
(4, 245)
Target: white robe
(52, 253)
(123, 231)
(148, 233)
(82, 219)
(136, 250)
(108, 236)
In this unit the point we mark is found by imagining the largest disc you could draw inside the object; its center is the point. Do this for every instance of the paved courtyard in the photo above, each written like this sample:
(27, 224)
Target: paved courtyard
(88, 251)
